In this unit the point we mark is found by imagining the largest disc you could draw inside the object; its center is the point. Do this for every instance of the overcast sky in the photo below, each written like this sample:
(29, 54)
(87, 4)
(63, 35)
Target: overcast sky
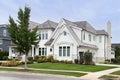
(96, 12)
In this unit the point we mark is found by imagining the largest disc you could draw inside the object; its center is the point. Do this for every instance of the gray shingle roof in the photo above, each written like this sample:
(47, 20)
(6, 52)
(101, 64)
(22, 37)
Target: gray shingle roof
(49, 42)
(101, 32)
(86, 26)
(33, 24)
(48, 25)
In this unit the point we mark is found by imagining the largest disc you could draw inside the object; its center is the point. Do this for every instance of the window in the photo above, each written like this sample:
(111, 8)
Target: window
(65, 33)
(60, 51)
(1, 42)
(89, 37)
(42, 51)
(100, 39)
(93, 38)
(4, 33)
(68, 51)
(64, 51)
(43, 35)
(84, 36)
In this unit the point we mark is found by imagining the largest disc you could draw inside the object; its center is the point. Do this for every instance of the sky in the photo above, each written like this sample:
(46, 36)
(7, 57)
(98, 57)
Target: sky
(96, 12)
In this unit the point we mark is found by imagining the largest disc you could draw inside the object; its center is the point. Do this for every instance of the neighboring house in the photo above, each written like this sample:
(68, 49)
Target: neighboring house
(68, 40)
(5, 40)
(115, 44)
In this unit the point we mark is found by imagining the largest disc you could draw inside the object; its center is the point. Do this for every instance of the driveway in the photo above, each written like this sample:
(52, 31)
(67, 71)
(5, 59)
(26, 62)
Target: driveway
(32, 76)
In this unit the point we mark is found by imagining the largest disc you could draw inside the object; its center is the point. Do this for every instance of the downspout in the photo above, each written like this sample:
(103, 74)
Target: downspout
(104, 48)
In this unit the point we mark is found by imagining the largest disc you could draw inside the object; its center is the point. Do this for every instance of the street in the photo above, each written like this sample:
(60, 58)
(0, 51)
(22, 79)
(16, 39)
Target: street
(32, 76)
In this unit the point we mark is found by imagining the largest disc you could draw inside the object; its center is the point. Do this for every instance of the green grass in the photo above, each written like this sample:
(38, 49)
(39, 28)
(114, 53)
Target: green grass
(107, 76)
(76, 67)
(116, 72)
(76, 74)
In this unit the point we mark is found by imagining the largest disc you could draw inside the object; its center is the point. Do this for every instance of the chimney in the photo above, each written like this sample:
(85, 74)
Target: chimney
(109, 40)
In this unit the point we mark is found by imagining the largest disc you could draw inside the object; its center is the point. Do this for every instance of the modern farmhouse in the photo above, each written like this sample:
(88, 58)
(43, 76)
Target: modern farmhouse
(69, 40)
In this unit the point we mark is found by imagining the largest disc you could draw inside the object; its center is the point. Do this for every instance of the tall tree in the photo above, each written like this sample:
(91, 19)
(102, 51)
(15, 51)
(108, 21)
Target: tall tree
(20, 34)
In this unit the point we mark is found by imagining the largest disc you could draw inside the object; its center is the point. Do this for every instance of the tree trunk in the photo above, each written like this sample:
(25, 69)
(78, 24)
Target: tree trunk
(25, 67)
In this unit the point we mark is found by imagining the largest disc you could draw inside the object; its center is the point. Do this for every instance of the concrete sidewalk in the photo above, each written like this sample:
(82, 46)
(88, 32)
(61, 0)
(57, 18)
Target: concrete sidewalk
(96, 75)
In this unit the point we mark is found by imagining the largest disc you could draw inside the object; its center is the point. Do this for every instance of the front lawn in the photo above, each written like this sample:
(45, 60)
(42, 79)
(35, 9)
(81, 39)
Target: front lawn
(76, 74)
(116, 72)
(76, 67)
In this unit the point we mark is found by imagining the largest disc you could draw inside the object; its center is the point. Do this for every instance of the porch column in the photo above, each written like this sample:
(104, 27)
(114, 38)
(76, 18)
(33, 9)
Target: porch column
(10, 52)
(33, 50)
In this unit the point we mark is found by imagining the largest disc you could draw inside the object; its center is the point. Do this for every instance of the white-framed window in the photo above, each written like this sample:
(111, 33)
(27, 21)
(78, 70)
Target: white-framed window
(64, 51)
(42, 51)
(93, 38)
(84, 36)
(43, 35)
(89, 36)
(4, 32)
(1, 41)
(100, 39)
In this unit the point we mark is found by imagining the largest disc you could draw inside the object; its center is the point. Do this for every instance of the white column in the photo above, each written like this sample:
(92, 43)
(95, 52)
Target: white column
(33, 50)
(10, 52)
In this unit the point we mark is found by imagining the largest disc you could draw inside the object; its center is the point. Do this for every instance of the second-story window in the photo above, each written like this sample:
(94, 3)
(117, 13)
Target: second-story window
(84, 35)
(89, 37)
(4, 33)
(43, 35)
(100, 39)
(93, 38)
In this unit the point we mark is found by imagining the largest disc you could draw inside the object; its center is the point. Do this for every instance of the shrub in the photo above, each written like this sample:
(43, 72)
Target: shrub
(88, 58)
(42, 59)
(36, 57)
(3, 55)
(30, 58)
(76, 61)
(81, 60)
(54, 61)
(11, 63)
(50, 58)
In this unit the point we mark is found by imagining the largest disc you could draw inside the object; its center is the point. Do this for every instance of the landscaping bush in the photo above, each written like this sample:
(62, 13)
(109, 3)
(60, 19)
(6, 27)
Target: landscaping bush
(11, 63)
(88, 58)
(50, 58)
(42, 59)
(54, 61)
(3, 55)
(36, 57)
(81, 60)
(76, 61)
(30, 58)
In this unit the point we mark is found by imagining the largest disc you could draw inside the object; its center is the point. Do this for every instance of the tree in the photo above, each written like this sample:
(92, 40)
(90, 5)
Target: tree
(88, 58)
(20, 34)
(117, 51)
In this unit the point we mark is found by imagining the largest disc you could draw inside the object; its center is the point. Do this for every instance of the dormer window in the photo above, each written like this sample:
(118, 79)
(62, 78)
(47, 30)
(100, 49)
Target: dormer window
(65, 33)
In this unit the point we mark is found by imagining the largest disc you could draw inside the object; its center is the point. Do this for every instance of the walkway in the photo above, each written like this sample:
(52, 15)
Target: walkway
(96, 75)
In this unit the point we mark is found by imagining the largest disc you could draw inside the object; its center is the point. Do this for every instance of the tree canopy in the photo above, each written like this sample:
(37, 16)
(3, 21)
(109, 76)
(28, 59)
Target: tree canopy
(21, 35)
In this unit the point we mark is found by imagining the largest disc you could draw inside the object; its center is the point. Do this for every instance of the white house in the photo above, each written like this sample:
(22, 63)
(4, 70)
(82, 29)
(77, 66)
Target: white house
(68, 40)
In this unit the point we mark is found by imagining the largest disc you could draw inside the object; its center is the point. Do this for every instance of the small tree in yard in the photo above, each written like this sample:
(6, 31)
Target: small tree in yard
(20, 33)
(88, 58)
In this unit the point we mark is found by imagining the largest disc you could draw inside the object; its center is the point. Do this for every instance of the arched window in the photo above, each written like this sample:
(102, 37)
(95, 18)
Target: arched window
(65, 33)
